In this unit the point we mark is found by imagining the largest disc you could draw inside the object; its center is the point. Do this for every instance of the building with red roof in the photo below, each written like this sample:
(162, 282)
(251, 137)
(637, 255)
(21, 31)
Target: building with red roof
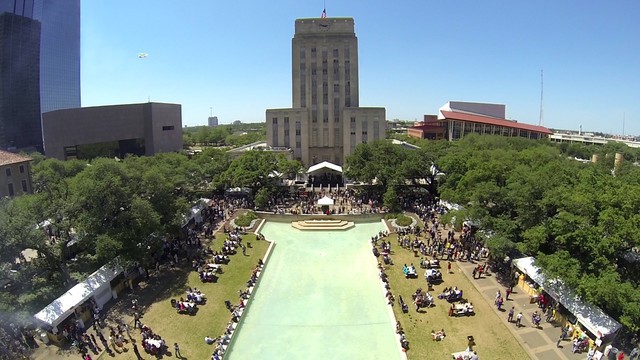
(456, 119)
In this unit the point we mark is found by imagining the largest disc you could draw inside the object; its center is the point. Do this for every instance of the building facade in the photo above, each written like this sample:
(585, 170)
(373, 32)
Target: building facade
(116, 130)
(59, 53)
(325, 122)
(53, 71)
(19, 82)
(15, 174)
(457, 119)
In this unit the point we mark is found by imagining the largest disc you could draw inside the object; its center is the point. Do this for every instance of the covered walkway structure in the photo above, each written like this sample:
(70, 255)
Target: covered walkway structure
(97, 289)
(590, 317)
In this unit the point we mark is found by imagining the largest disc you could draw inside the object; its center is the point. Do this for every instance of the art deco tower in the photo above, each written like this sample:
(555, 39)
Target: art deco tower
(326, 122)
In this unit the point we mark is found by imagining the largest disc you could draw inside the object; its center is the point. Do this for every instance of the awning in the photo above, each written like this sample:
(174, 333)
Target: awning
(64, 306)
(325, 165)
(325, 201)
(591, 316)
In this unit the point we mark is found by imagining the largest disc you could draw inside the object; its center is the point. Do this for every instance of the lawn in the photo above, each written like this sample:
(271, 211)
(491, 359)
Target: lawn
(494, 341)
(211, 319)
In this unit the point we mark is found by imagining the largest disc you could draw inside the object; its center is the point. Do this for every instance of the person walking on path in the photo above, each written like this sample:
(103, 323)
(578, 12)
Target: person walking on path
(449, 267)
(561, 338)
(136, 320)
(507, 292)
(519, 319)
(136, 351)
(511, 312)
(177, 350)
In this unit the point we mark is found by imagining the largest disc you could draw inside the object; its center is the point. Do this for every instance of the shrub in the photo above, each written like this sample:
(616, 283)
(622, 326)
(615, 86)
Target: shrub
(245, 219)
(401, 219)
(404, 220)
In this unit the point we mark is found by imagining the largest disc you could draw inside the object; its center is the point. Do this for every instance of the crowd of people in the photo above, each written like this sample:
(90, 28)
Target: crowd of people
(236, 312)
(346, 201)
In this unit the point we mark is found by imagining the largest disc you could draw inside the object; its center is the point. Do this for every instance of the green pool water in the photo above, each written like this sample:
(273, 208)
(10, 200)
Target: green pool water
(319, 297)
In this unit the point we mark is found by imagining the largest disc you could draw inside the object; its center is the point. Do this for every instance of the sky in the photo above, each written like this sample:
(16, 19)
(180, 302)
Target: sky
(233, 58)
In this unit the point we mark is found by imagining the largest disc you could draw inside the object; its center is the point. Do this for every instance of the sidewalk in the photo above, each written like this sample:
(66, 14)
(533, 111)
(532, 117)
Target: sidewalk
(538, 343)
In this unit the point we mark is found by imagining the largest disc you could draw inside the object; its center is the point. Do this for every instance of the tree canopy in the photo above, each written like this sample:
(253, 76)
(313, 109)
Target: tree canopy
(577, 219)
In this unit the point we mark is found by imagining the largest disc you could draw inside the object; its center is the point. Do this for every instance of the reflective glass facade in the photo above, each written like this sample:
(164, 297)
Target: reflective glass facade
(59, 53)
(55, 67)
(19, 82)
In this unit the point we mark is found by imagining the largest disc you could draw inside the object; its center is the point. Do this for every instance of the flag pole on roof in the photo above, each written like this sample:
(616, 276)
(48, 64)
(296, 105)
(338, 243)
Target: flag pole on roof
(324, 10)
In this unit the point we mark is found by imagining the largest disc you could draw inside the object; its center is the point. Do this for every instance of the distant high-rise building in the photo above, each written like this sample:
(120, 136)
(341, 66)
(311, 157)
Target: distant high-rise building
(213, 121)
(20, 125)
(326, 122)
(58, 64)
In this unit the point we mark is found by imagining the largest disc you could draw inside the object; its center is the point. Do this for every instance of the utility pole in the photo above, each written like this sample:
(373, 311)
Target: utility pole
(541, 96)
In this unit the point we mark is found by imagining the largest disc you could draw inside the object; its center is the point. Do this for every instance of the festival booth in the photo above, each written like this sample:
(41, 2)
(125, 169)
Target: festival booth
(97, 289)
(195, 215)
(585, 317)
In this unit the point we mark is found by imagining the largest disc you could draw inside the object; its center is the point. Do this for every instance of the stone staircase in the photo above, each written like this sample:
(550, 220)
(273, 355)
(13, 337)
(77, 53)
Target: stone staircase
(328, 224)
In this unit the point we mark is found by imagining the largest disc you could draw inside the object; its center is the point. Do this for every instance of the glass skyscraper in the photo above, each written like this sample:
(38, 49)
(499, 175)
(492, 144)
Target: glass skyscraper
(59, 53)
(55, 66)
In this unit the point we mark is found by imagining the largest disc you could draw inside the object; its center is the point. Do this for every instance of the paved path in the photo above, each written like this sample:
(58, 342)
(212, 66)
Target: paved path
(538, 343)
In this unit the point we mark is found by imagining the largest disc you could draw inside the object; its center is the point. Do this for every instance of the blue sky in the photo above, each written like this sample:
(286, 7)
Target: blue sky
(415, 55)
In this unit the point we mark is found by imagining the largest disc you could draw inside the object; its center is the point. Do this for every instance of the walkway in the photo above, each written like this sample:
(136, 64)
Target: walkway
(538, 343)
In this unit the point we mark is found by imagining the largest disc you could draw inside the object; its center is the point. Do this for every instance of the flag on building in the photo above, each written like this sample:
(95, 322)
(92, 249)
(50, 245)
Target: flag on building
(324, 14)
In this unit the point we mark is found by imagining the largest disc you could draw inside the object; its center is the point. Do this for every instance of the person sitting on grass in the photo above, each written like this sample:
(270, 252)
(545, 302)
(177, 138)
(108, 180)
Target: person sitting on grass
(399, 329)
(438, 336)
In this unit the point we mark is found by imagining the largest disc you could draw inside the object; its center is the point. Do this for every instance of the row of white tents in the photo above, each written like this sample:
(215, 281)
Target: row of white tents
(590, 316)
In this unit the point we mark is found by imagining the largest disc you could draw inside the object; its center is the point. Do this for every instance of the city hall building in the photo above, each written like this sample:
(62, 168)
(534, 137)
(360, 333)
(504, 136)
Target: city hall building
(326, 121)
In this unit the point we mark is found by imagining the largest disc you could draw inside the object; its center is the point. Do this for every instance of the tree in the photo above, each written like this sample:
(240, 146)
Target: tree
(262, 198)
(379, 162)
(577, 219)
(252, 170)
(391, 200)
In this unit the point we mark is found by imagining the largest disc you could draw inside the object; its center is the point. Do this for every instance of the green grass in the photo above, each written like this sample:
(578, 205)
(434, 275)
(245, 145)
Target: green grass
(494, 341)
(211, 318)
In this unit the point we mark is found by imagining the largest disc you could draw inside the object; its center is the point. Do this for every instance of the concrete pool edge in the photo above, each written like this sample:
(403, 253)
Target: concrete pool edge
(280, 218)
(265, 262)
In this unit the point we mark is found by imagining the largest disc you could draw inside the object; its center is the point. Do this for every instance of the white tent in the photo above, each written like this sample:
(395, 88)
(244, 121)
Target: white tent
(325, 201)
(324, 165)
(195, 211)
(591, 316)
(97, 285)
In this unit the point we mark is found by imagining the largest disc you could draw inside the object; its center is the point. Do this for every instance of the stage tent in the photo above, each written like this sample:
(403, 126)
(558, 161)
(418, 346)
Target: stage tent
(323, 167)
